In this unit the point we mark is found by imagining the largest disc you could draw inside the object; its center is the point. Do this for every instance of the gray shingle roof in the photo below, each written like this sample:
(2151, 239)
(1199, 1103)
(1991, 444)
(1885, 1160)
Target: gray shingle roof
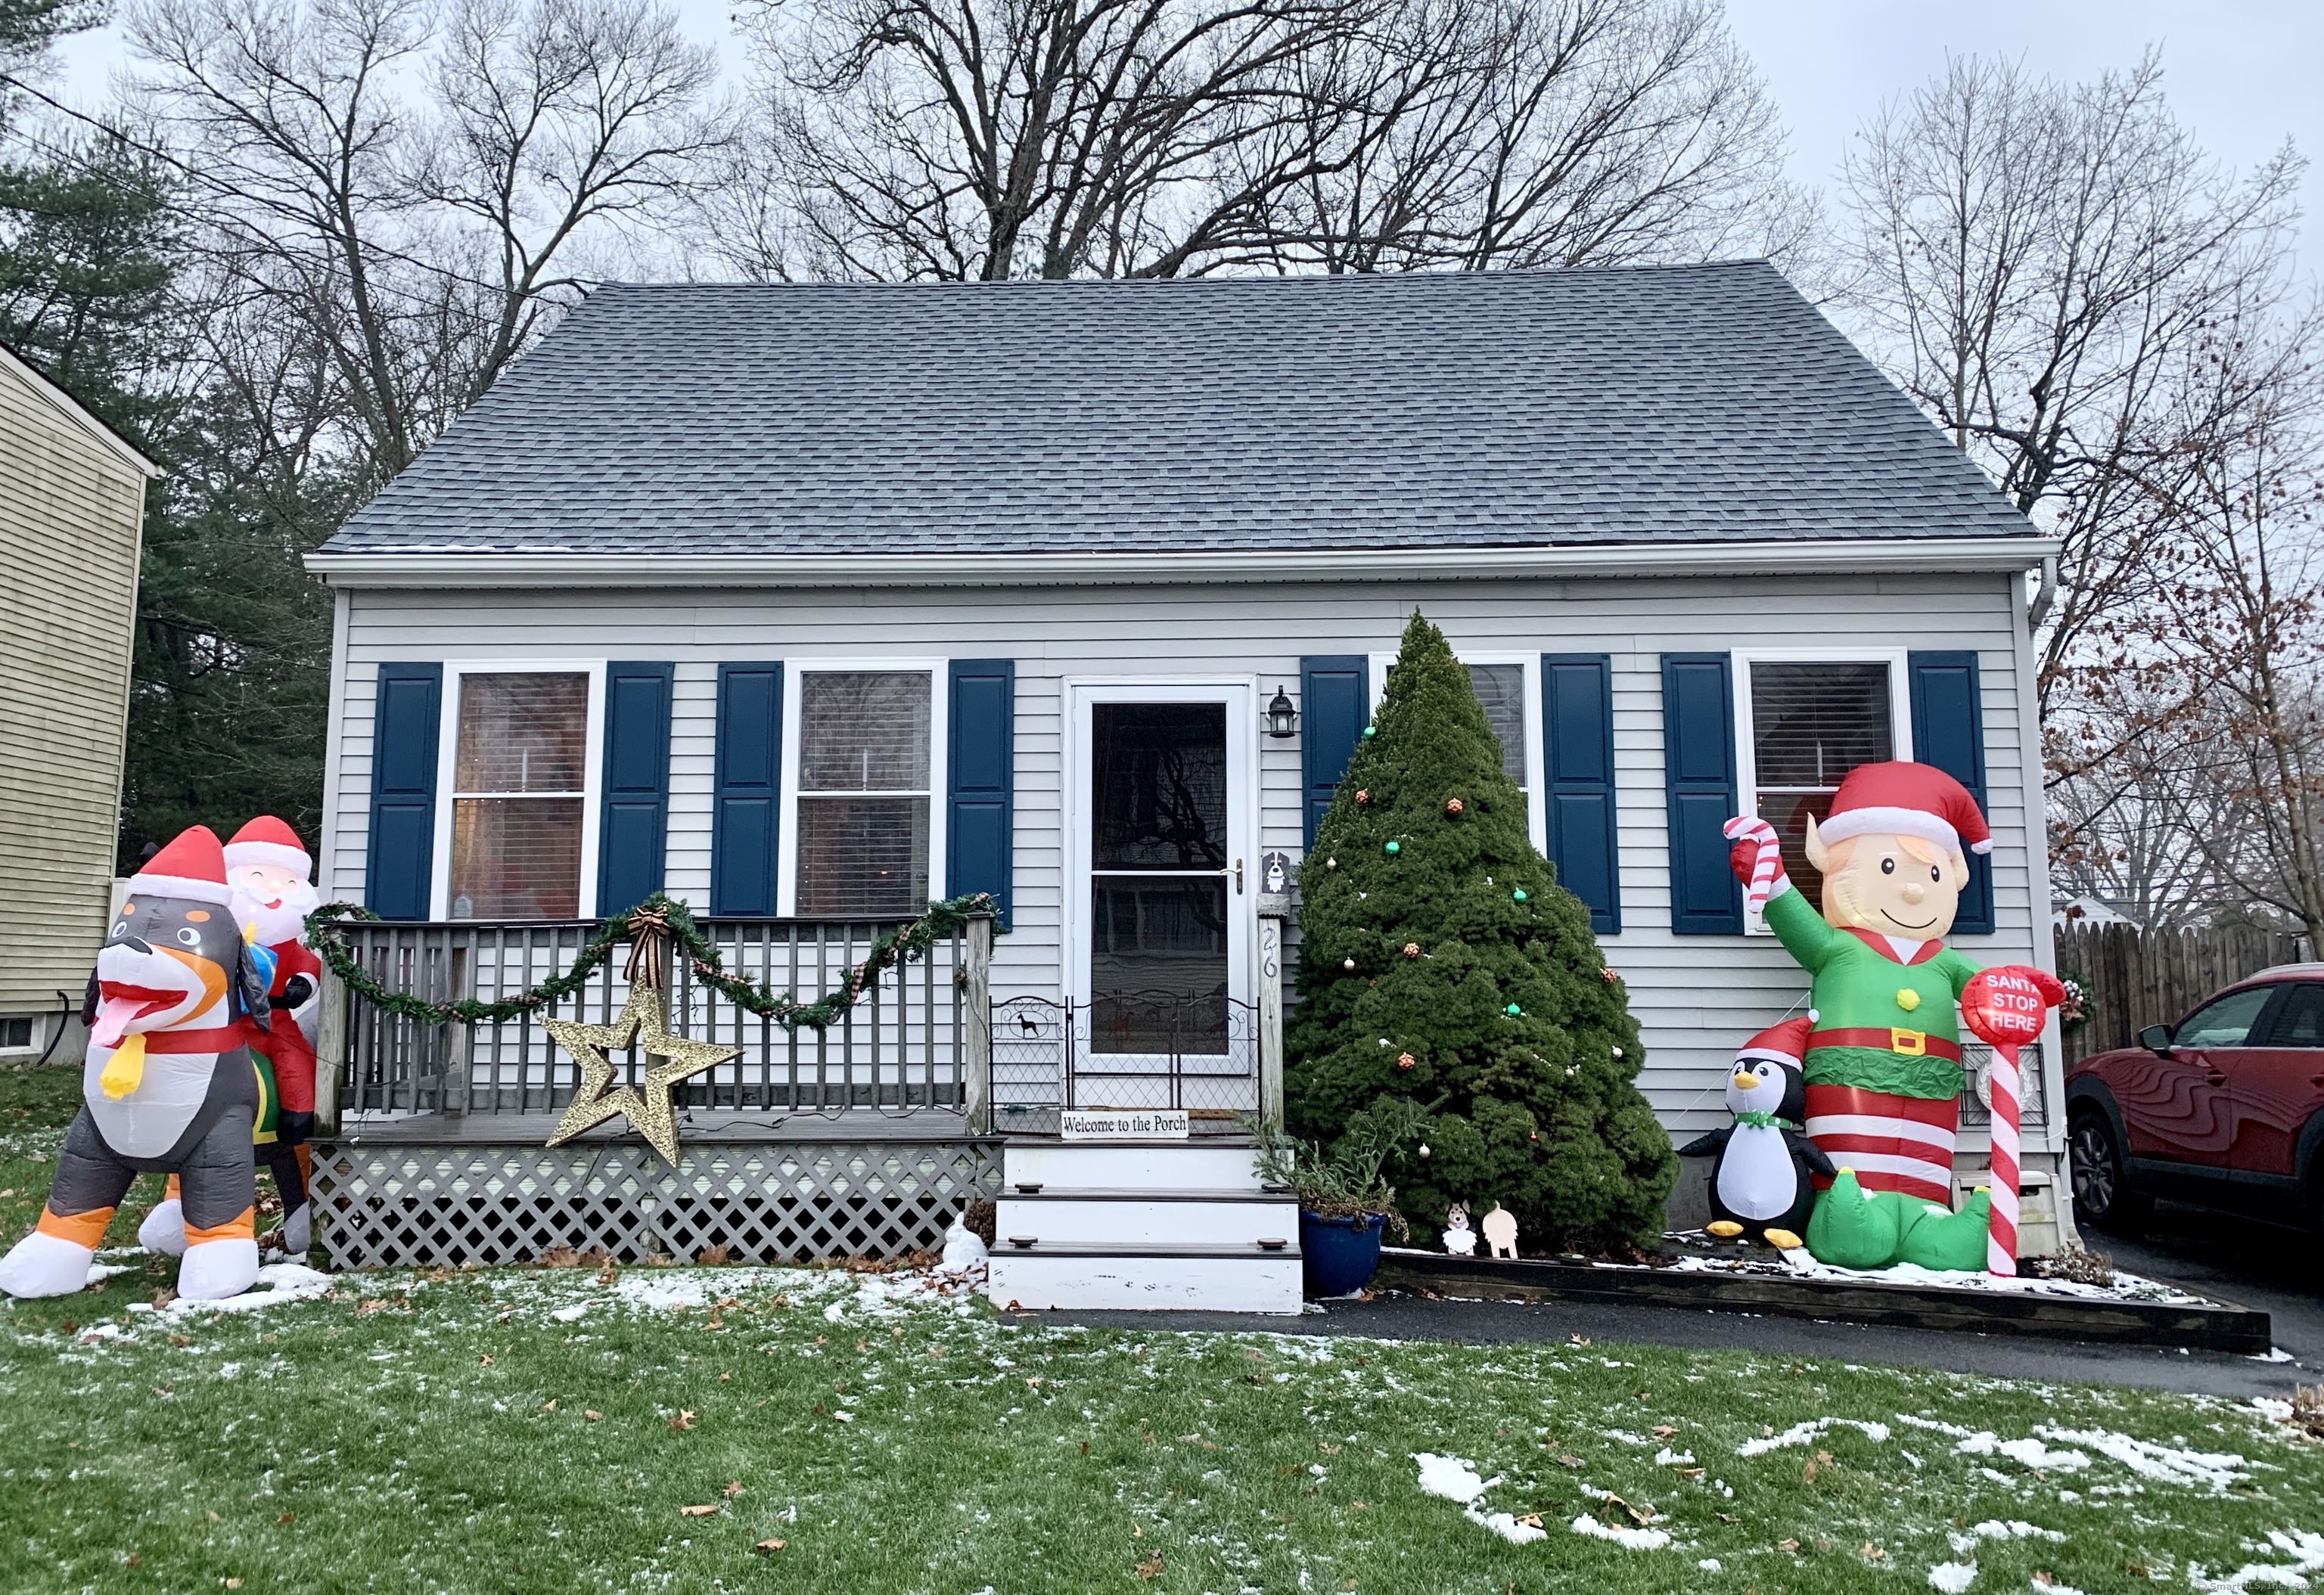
(1672, 404)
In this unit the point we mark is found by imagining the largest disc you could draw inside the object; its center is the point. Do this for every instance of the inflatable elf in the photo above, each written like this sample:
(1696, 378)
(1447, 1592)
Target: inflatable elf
(270, 870)
(1884, 1062)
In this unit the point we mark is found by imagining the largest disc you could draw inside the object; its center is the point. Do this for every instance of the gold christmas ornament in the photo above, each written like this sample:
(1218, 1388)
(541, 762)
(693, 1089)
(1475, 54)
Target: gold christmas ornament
(645, 1017)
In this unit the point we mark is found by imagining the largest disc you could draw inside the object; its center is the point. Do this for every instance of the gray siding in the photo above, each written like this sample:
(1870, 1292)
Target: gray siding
(1698, 997)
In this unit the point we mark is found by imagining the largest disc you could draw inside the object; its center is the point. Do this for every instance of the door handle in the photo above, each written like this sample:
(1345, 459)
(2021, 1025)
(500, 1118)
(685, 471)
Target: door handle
(2217, 1077)
(1238, 875)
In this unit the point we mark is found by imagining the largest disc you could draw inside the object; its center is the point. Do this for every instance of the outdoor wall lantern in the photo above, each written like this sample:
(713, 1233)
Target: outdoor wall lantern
(1282, 719)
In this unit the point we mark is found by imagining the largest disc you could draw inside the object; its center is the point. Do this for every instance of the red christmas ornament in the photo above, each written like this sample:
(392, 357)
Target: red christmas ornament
(1451, 806)
(1405, 1060)
(1411, 949)
(1363, 795)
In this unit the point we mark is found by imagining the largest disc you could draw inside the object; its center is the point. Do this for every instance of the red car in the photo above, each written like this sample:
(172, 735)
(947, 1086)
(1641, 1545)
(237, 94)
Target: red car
(2225, 1108)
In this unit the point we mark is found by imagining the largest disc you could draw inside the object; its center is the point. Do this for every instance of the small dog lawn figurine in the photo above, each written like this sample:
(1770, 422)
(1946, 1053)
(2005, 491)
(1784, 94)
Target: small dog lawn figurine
(1501, 1227)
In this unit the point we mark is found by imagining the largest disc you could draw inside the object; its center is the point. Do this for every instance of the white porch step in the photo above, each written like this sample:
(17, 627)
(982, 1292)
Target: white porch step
(1222, 1219)
(1142, 1165)
(1153, 1278)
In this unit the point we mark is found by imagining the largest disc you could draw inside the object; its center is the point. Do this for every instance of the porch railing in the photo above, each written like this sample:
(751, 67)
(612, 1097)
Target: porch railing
(905, 1047)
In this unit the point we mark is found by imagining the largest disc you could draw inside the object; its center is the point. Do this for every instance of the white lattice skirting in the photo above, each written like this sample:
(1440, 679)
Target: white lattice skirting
(390, 1206)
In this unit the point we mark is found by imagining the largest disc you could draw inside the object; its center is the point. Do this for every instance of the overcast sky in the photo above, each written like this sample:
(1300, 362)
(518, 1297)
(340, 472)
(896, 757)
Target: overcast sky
(2244, 74)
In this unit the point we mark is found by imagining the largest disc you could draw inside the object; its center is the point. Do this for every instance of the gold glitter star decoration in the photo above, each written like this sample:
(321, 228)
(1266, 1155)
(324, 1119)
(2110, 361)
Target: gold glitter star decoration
(649, 1109)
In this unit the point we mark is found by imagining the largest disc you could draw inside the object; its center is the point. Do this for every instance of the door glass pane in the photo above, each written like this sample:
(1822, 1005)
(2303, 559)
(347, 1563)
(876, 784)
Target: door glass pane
(863, 730)
(516, 858)
(2226, 1022)
(522, 733)
(1501, 689)
(1161, 777)
(863, 856)
(1158, 965)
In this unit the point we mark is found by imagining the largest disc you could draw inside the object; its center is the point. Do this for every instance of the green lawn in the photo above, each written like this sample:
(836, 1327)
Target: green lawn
(453, 1432)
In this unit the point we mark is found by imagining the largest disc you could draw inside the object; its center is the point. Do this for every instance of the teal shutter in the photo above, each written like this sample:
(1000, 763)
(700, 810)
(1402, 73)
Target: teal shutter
(1335, 703)
(746, 791)
(634, 806)
(1577, 712)
(1949, 732)
(1699, 774)
(982, 784)
(399, 864)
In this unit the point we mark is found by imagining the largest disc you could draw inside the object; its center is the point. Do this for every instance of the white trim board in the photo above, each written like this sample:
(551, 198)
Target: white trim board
(452, 567)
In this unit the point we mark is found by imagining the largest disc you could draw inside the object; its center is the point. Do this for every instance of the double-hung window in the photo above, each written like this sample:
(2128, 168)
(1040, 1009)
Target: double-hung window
(1805, 723)
(520, 799)
(865, 743)
(1507, 685)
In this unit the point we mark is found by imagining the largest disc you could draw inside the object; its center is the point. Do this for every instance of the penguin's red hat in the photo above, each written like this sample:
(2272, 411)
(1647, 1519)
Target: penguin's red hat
(1901, 798)
(268, 841)
(192, 866)
(1785, 1043)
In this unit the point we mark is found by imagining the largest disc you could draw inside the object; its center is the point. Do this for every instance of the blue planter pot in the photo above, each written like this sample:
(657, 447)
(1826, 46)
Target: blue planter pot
(1340, 1254)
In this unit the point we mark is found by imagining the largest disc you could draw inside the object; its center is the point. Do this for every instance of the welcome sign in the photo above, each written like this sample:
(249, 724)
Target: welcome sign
(1123, 1124)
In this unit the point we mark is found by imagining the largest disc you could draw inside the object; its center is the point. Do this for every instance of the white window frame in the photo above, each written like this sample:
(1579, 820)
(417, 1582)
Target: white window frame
(447, 756)
(1536, 756)
(796, 672)
(1240, 695)
(1747, 750)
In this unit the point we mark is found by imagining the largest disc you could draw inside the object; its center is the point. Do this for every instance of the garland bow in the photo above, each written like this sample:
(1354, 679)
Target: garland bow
(659, 917)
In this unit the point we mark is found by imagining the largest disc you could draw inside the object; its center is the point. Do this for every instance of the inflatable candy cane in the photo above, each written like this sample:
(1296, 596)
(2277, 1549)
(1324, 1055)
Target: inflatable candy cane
(2006, 1007)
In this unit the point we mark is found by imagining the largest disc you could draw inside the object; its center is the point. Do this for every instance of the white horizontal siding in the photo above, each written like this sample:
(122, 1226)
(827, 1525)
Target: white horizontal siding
(1697, 997)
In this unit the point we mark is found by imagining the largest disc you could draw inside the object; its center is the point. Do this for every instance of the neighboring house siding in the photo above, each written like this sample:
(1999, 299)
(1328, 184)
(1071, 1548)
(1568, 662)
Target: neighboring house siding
(1697, 997)
(70, 514)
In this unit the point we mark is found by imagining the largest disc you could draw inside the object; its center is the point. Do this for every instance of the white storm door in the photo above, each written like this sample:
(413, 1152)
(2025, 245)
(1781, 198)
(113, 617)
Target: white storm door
(1162, 831)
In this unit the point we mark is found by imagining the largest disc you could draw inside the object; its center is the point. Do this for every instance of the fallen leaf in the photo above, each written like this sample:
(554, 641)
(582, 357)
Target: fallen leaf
(733, 1488)
(683, 1421)
(1360, 1505)
(1150, 1566)
(591, 1414)
(1792, 1545)
(1583, 1340)
(1664, 1431)
(231, 1583)
(1569, 1461)
(550, 1404)
(1872, 1553)
(1693, 1474)
(710, 1511)
(1328, 1448)
(486, 1361)
(1033, 1383)
(768, 1547)
(724, 1378)
(287, 1517)
(1808, 1473)
(1531, 1520)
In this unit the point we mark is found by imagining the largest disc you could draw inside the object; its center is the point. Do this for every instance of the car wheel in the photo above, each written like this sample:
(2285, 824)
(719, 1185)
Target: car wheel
(2103, 1198)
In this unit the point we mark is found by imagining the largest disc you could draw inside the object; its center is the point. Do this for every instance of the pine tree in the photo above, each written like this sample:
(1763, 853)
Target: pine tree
(1440, 961)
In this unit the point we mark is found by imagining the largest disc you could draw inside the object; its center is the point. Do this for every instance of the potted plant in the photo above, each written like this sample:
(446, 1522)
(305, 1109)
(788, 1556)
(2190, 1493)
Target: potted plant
(1343, 1203)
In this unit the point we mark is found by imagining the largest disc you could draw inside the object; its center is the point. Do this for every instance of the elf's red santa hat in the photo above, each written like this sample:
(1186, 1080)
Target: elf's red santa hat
(1785, 1043)
(193, 866)
(1901, 798)
(268, 841)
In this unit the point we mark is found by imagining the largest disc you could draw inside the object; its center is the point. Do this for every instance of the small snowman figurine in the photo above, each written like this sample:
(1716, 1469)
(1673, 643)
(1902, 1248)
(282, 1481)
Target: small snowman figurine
(1459, 1238)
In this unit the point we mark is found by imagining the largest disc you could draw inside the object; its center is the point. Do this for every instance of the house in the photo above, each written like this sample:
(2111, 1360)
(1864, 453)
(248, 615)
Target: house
(810, 603)
(72, 505)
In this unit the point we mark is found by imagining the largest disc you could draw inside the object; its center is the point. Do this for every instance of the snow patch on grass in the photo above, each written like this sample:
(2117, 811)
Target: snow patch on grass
(1952, 1577)
(2307, 1554)
(2166, 1464)
(1449, 1476)
(1634, 1539)
(277, 1283)
(1801, 1433)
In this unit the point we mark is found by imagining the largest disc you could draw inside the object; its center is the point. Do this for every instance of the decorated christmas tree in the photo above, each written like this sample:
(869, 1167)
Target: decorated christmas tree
(1440, 961)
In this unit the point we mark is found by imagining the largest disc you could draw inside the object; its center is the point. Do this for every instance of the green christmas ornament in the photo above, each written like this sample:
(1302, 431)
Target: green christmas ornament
(1370, 731)
(1518, 894)
(1514, 1011)
(1395, 847)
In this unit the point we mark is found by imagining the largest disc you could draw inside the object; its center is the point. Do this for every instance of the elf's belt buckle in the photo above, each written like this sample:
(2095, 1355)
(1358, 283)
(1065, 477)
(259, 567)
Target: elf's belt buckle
(1911, 1044)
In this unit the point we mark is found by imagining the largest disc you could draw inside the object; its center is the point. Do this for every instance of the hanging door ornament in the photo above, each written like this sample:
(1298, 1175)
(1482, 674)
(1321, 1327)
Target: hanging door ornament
(644, 1018)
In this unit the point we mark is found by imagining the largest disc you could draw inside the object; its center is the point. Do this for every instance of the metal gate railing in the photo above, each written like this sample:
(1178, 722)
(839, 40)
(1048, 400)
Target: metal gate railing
(1147, 1050)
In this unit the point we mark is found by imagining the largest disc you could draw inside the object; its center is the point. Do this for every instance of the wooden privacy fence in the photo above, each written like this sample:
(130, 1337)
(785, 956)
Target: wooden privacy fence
(2135, 978)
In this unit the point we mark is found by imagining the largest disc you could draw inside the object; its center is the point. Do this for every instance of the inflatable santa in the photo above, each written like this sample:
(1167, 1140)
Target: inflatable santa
(270, 873)
(1884, 1062)
(169, 1085)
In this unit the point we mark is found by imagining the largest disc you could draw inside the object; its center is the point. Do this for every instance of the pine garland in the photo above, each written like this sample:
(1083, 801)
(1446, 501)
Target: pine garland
(904, 945)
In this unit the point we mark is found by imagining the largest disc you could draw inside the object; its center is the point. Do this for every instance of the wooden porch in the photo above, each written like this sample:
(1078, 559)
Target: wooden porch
(864, 1138)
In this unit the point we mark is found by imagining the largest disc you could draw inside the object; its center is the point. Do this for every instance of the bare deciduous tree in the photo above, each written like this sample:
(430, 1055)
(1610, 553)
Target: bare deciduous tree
(412, 194)
(969, 139)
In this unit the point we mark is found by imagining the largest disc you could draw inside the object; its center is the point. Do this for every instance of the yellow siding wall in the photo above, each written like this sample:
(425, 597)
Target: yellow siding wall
(69, 513)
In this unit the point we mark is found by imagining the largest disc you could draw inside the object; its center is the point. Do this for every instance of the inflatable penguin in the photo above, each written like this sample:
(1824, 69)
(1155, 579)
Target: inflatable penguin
(169, 1085)
(1761, 1179)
